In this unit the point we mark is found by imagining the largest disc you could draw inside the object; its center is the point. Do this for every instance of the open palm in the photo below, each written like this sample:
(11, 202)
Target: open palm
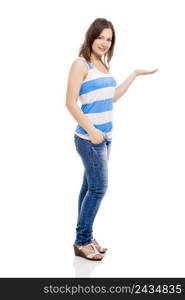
(145, 72)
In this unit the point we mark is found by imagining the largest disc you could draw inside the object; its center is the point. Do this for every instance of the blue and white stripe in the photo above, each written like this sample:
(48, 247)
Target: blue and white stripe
(96, 95)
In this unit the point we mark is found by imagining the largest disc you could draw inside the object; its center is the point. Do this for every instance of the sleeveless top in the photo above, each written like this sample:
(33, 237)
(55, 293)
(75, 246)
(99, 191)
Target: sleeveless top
(96, 96)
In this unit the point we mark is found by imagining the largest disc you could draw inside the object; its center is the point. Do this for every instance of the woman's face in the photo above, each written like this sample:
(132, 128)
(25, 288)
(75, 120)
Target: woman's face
(102, 43)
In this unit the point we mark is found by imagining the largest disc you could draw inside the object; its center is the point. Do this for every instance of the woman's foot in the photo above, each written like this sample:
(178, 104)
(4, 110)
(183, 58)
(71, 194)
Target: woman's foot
(88, 251)
(98, 247)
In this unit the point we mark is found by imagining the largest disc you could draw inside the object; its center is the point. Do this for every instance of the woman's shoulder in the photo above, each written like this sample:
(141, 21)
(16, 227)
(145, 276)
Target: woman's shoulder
(80, 63)
(79, 67)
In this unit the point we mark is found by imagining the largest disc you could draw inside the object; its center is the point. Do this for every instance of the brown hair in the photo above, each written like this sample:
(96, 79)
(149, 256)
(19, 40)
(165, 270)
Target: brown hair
(92, 33)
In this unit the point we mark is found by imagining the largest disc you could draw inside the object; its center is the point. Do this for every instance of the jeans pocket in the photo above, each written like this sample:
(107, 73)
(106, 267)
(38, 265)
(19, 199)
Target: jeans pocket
(98, 143)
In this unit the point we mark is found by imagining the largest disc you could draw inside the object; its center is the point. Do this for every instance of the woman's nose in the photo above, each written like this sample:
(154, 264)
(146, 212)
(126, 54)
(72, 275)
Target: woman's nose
(104, 44)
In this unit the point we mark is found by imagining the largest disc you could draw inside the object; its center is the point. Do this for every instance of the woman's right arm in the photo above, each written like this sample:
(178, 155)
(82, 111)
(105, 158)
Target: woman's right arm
(76, 76)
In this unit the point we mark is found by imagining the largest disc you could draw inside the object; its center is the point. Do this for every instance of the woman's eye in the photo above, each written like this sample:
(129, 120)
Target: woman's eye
(107, 40)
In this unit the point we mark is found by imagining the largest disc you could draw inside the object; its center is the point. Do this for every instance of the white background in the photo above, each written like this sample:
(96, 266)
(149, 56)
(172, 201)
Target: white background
(141, 219)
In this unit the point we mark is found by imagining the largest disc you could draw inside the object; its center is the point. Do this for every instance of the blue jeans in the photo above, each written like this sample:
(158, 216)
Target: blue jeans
(95, 183)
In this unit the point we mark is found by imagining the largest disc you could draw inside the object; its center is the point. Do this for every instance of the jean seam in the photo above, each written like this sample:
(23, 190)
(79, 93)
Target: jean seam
(76, 143)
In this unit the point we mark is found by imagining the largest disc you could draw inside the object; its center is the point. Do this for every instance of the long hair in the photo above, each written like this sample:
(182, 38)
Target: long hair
(92, 33)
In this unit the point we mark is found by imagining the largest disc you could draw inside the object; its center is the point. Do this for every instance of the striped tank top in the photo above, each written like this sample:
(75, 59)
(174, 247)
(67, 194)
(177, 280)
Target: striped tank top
(96, 96)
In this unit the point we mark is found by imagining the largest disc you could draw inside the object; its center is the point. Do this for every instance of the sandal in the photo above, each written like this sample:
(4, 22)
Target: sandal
(99, 248)
(88, 251)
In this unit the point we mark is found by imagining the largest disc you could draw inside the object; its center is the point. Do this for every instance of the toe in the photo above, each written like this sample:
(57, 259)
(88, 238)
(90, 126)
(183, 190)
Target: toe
(98, 256)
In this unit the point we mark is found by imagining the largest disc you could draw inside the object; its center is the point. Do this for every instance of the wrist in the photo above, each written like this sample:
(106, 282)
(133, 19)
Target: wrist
(90, 129)
(135, 73)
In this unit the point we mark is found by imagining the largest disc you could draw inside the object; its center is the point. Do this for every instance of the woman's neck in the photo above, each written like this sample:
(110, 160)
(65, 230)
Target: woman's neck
(95, 58)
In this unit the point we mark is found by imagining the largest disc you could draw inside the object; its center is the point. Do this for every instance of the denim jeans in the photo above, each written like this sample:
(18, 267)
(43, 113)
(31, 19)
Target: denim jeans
(95, 183)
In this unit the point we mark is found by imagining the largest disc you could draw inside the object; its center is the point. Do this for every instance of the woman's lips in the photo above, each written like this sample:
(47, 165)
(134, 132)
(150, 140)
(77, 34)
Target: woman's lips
(102, 49)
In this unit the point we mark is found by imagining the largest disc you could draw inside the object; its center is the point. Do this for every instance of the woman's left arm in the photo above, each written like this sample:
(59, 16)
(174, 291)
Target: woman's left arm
(123, 87)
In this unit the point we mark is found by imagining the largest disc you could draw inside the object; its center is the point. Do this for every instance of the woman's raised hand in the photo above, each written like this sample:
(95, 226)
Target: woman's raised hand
(145, 72)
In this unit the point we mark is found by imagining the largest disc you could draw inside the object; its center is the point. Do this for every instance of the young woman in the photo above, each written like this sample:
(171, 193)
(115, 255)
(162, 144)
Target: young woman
(91, 81)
